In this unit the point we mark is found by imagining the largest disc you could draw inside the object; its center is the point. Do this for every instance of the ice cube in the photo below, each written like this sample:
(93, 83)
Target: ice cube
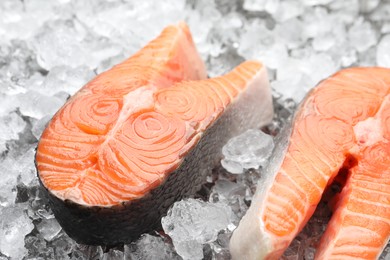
(223, 63)
(316, 2)
(226, 190)
(368, 58)
(63, 246)
(49, 228)
(191, 223)
(7, 185)
(11, 125)
(347, 56)
(16, 169)
(320, 66)
(383, 52)
(290, 32)
(14, 226)
(39, 125)
(82, 252)
(324, 42)
(346, 10)
(385, 28)
(367, 6)
(362, 35)
(287, 10)
(150, 247)
(231, 194)
(8, 103)
(37, 105)
(113, 254)
(248, 150)
(26, 168)
(255, 39)
(382, 13)
(35, 245)
(317, 23)
(258, 5)
(38, 204)
(275, 56)
(66, 79)
(60, 44)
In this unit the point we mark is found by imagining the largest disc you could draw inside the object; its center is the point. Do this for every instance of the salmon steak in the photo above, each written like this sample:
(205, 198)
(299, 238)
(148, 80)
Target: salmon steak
(342, 127)
(143, 135)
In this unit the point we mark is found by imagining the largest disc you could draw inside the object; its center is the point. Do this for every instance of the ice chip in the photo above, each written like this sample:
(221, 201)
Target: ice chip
(232, 194)
(323, 42)
(191, 223)
(290, 32)
(16, 169)
(11, 125)
(324, 67)
(367, 6)
(37, 105)
(35, 245)
(38, 204)
(383, 52)
(362, 35)
(367, 58)
(82, 252)
(66, 79)
(25, 168)
(49, 229)
(150, 247)
(287, 10)
(256, 38)
(113, 254)
(316, 2)
(39, 126)
(14, 226)
(63, 246)
(226, 190)
(60, 46)
(7, 185)
(248, 150)
(258, 5)
(275, 56)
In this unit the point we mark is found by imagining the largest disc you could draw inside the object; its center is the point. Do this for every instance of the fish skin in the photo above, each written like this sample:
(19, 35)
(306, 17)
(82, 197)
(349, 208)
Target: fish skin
(122, 219)
(335, 126)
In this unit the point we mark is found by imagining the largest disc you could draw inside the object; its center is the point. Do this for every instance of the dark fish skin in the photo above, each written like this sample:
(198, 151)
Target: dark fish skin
(127, 222)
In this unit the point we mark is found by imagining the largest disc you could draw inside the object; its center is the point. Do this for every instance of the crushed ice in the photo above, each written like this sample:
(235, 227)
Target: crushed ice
(49, 49)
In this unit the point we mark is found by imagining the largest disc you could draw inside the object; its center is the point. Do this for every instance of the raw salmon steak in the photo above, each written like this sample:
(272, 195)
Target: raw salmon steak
(142, 135)
(342, 127)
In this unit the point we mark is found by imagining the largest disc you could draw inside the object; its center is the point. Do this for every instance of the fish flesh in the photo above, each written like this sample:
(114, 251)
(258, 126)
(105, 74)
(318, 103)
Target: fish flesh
(341, 128)
(143, 135)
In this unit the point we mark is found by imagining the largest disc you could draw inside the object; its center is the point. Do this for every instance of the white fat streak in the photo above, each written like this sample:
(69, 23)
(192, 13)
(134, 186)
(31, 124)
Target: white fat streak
(137, 100)
(249, 240)
(369, 131)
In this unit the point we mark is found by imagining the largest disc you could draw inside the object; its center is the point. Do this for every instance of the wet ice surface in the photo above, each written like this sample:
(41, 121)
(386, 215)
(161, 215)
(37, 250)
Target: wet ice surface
(49, 49)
